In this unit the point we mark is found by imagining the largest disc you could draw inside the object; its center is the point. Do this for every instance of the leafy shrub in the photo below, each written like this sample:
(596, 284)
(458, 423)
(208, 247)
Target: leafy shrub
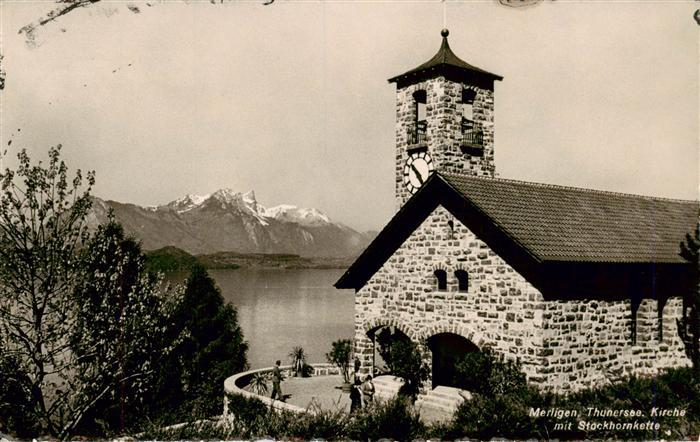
(485, 417)
(501, 399)
(408, 364)
(672, 389)
(403, 359)
(394, 419)
(199, 430)
(472, 369)
(340, 355)
(385, 337)
(481, 372)
(246, 410)
(307, 371)
(326, 424)
(506, 413)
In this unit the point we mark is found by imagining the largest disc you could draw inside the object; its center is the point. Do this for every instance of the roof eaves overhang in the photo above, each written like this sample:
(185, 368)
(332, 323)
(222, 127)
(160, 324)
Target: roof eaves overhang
(403, 223)
(615, 280)
(555, 277)
(438, 191)
(453, 73)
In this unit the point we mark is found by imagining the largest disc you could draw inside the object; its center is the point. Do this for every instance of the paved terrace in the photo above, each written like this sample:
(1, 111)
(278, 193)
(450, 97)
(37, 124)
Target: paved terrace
(318, 392)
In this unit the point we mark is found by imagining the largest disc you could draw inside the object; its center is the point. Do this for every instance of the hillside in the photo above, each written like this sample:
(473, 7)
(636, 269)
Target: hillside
(234, 222)
(171, 259)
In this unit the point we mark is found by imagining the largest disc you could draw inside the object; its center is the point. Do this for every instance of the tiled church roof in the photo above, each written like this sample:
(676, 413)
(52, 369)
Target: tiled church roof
(557, 223)
(551, 234)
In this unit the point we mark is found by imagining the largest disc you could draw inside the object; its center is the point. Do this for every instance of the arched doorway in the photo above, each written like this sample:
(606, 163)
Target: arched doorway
(382, 338)
(447, 350)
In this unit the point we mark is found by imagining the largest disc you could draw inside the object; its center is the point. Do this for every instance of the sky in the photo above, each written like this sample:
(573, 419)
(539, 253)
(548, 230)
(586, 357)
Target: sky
(292, 99)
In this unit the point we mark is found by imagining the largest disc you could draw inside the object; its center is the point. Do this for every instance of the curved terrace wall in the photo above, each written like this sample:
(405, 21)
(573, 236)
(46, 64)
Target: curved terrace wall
(236, 384)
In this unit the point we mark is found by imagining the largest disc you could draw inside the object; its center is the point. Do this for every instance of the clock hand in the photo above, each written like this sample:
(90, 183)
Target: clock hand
(418, 175)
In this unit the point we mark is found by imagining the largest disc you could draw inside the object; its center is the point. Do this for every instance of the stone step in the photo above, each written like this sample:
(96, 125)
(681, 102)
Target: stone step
(443, 398)
(386, 387)
(432, 400)
(436, 403)
(442, 391)
(387, 380)
(386, 392)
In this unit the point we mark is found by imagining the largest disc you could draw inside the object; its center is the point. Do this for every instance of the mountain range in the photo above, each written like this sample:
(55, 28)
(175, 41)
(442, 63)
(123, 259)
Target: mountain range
(234, 222)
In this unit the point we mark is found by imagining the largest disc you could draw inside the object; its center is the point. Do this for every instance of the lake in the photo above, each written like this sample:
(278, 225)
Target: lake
(280, 309)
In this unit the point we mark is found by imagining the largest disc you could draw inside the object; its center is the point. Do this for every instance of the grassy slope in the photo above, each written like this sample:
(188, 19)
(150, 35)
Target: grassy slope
(171, 259)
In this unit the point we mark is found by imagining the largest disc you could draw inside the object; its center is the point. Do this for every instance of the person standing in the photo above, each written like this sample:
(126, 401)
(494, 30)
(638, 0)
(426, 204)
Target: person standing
(367, 390)
(277, 382)
(355, 396)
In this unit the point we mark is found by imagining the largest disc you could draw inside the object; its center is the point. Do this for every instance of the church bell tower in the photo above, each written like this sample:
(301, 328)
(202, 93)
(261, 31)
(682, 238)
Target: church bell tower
(444, 121)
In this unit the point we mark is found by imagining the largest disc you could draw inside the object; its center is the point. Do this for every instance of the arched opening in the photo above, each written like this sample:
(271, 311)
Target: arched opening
(472, 135)
(441, 278)
(448, 349)
(383, 337)
(462, 280)
(468, 96)
(417, 133)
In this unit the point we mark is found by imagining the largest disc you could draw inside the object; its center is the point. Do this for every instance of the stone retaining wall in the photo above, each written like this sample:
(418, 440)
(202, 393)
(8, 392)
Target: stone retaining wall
(236, 383)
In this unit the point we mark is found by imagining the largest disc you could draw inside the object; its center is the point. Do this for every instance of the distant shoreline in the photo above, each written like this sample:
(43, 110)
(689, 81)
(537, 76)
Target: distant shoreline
(172, 259)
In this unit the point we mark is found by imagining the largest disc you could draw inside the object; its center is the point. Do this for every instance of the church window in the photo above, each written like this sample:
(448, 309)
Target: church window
(417, 133)
(420, 98)
(468, 96)
(472, 135)
(662, 317)
(462, 280)
(441, 277)
(633, 320)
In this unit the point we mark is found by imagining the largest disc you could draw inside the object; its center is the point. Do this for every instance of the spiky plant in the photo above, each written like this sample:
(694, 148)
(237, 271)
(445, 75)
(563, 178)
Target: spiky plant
(258, 383)
(298, 357)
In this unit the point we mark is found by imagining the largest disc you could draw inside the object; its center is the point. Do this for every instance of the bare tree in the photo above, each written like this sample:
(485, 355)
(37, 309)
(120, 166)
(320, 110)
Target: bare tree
(41, 227)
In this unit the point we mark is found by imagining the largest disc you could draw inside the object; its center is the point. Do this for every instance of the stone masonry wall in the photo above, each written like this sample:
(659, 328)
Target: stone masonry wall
(589, 343)
(444, 129)
(563, 345)
(500, 308)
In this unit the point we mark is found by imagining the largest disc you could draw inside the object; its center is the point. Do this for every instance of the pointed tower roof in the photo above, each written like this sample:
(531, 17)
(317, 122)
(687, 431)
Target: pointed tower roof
(445, 62)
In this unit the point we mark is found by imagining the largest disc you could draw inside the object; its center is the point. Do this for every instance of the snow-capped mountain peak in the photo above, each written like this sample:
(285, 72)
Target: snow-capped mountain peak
(249, 197)
(233, 221)
(246, 202)
(187, 203)
(289, 213)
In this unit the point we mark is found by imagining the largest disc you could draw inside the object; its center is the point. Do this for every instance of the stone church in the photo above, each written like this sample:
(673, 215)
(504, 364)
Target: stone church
(581, 286)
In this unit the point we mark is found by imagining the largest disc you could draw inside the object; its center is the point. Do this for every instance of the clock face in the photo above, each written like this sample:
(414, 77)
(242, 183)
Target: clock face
(416, 171)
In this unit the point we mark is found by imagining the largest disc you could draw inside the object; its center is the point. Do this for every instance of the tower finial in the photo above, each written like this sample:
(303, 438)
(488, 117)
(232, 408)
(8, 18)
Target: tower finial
(445, 32)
